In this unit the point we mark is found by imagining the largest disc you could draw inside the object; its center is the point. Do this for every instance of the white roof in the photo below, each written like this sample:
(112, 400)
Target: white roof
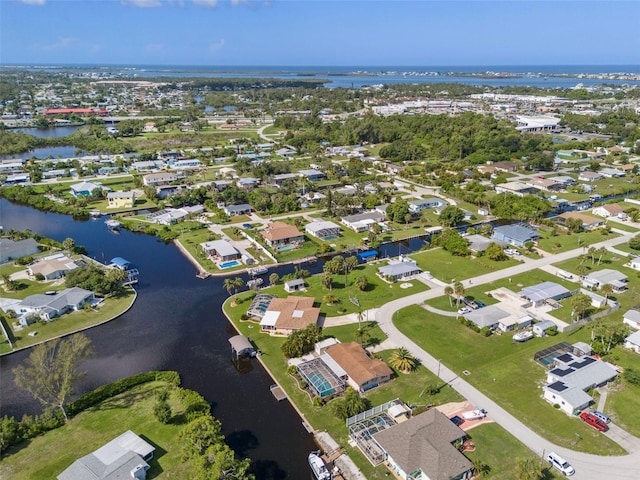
(333, 365)
(223, 247)
(270, 318)
(634, 338)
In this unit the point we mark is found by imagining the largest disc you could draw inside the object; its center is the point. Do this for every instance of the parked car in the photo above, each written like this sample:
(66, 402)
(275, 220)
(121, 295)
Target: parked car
(247, 225)
(600, 415)
(512, 251)
(560, 463)
(463, 310)
(594, 421)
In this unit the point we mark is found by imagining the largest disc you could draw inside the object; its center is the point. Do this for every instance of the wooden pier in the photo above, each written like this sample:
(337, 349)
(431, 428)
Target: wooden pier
(277, 392)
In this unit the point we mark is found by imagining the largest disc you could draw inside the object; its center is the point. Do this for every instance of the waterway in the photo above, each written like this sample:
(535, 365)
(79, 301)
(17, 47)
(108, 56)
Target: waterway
(176, 324)
(47, 132)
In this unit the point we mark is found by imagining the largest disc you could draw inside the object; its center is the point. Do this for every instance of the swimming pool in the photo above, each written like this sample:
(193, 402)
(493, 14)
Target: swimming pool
(232, 263)
(284, 248)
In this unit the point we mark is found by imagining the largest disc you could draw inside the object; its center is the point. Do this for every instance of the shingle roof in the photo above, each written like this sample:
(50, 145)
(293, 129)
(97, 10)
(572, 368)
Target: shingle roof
(294, 312)
(358, 365)
(280, 231)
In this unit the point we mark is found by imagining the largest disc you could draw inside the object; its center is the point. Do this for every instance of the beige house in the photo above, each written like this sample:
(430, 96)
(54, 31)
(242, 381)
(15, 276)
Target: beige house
(279, 234)
(364, 372)
(286, 315)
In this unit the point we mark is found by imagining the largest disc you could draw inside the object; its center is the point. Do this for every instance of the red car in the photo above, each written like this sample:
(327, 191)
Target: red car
(594, 421)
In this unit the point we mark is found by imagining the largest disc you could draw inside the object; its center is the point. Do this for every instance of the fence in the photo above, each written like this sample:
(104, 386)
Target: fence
(586, 320)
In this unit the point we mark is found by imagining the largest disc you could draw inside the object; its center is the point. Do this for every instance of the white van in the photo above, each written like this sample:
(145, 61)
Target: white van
(560, 463)
(563, 274)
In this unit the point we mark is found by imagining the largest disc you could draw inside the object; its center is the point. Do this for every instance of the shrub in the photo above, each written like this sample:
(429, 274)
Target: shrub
(292, 370)
(632, 376)
(318, 402)
(485, 331)
(39, 277)
(162, 411)
(556, 406)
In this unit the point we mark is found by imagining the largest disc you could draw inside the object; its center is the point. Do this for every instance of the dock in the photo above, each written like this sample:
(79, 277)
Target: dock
(278, 393)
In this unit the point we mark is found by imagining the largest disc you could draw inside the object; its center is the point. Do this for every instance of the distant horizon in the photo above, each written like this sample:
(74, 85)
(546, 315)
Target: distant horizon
(271, 65)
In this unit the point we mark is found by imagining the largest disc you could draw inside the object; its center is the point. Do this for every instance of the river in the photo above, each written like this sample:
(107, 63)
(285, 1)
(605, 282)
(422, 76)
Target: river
(176, 324)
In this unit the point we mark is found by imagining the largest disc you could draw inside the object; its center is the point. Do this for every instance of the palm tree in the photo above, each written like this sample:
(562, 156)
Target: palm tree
(606, 290)
(237, 283)
(274, 278)
(229, 284)
(329, 299)
(362, 333)
(68, 244)
(402, 360)
(361, 283)
(448, 291)
(327, 281)
(458, 289)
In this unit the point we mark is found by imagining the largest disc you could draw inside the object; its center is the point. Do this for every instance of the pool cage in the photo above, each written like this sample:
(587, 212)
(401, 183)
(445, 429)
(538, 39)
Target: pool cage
(547, 356)
(363, 431)
(321, 378)
(259, 305)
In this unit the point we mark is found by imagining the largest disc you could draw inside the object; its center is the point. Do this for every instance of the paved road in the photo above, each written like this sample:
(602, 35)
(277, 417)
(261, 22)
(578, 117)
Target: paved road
(588, 467)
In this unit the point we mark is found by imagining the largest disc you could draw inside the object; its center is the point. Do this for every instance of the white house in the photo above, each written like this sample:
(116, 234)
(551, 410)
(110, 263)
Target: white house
(634, 263)
(416, 206)
(632, 318)
(52, 306)
(632, 342)
(323, 230)
(399, 269)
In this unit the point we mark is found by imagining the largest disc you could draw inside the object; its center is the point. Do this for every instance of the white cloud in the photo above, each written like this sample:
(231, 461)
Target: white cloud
(142, 3)
(206, 3)
(216, 46)
(33, 2)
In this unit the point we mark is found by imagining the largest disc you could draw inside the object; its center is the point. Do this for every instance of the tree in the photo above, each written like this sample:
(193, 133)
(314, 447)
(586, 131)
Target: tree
(448, 291)
(200, 434)
(495, 252)
(229, 285)
(52, 369)
(219, 462)
(274, 278)
(528, 469)
(329, 299)
(580, 303)
(350, 404)
(402, 360)
(361, 283)
(606, 290)
(68, 244)
(349, 264)
(451, 216)
(459, 291)
(574, 225)
(327, 281)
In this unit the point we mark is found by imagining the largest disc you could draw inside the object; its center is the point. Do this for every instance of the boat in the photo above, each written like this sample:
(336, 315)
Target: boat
(259, 270)
(523, 336)
(318, 467)
(95, 214)
(113, 224)
(256, 282)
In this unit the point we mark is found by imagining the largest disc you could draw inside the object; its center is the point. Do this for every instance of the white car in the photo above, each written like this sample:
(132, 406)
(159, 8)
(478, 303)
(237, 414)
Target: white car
(561, 464)
(463, 310)
(474, 414)
(511, 251)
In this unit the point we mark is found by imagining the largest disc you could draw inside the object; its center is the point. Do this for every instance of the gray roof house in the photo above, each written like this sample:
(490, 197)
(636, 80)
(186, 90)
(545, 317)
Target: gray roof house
(241, 209)
(543, 292)
(10, 250)
(515, 234)
(124, 457)
(362, 222)
(479, 243)
(51, 306)
(422, 447)
(632, 342)
(399, 269)
(220, 249)
(606, 276)
(416, 206)
(323, 230)
(491, 317)
(572, 375)
(632, 318)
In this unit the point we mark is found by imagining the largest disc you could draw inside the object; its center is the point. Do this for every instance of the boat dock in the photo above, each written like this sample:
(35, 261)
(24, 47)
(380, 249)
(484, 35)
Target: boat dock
(278, 393)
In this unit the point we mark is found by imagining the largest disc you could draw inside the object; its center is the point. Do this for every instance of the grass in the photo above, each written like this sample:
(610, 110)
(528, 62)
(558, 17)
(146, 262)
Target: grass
(506, 372)
(563, 242)
(47, 455)
(74, 321)
(449, 268)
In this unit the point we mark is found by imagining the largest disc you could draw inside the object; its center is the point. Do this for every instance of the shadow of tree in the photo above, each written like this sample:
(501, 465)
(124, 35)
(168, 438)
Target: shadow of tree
(242, 442)
(267, 470)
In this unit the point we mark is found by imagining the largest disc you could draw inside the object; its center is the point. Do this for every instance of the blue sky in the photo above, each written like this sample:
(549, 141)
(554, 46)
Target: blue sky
(320, 32)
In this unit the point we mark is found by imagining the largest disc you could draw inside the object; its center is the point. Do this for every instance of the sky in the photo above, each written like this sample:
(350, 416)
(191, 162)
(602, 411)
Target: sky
(320, 32)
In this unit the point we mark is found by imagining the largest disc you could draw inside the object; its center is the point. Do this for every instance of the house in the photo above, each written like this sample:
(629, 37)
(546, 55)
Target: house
(121, 199)
(479, 243)
(185, 163)
(232, 210)
(147, 165)
(505, 166)
(540, 328)
(285, 152)
(546, 184)
(611, 173)
(572, 376)
(84, 189)
(607, 276)
(281, 178)
(283, 316)
(544, 292)
(536, 123)
(362, 222)
(159, 178)
(295, 285)
(632, 342)
(588, 176)
(493, 317)
(399, 269)
(220, 250)
(279, 235)
(634, 263)
(608, 210)
(516, 235)
(52, 306)
(17, 178)
(564, 180)
(632, 318)
(313, 175)
(53, 267)
(125, 456)
(324, 230)
(588, 222)
(11, 250)
(247, 183)
(363, 372)
(416, 206)
(516, 188)
(422, 447)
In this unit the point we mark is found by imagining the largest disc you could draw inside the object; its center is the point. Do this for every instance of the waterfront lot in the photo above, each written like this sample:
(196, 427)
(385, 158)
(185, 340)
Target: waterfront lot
(563, 242)
(506, 372)
(47, 455)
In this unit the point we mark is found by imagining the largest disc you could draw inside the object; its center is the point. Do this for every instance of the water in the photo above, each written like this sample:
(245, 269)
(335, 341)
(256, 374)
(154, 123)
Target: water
(176, 324)
(48, 152)
(47, 132)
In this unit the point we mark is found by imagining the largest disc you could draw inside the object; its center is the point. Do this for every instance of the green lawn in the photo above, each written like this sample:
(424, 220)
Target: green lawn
(498, 449)
(449, 268)
(506, 372)
(47, 455)
(73, 321)
(563, 242)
